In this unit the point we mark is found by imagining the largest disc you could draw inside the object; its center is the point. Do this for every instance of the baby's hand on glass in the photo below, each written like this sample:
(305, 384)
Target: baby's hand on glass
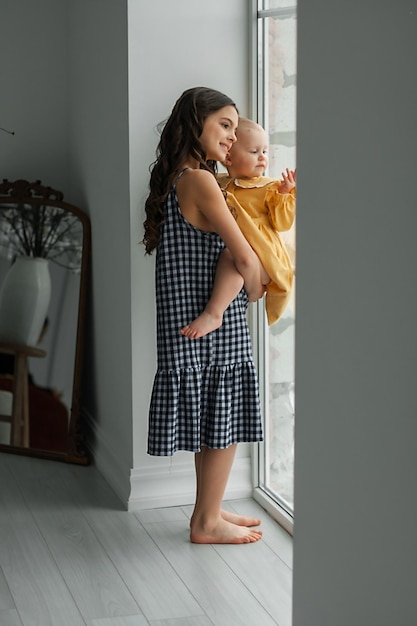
(288, 181)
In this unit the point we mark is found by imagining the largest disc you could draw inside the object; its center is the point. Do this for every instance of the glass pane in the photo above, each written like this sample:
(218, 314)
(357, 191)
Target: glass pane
(279, 57)
(277, 4)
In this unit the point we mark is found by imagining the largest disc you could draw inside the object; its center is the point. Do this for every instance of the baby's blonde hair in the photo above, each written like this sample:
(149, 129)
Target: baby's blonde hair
(245, 123)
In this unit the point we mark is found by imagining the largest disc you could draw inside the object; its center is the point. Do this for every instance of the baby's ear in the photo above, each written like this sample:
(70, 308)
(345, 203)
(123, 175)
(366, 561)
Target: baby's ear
(227, 160)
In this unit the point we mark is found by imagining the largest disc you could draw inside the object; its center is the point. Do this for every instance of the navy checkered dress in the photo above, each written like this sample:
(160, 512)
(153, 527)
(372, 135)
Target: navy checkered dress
(205, 390)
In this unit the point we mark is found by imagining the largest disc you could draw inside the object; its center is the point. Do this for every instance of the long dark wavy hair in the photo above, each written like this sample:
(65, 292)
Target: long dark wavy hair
(179, 140)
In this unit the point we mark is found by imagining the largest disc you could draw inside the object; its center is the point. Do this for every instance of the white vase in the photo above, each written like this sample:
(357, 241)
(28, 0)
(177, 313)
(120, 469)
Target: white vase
(24, 300)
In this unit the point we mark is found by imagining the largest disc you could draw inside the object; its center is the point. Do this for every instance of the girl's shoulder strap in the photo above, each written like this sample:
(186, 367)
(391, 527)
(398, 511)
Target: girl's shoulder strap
(180, 174)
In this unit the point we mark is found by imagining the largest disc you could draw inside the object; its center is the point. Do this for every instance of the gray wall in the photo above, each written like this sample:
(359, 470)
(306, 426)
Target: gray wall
(356, 356)
(99, 170)
(34, 87)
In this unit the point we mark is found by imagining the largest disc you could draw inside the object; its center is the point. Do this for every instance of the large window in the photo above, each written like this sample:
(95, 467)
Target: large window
(274, 104)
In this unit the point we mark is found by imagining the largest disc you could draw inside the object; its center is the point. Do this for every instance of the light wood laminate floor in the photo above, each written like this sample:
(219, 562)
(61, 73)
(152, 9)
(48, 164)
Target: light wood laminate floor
(71, 556)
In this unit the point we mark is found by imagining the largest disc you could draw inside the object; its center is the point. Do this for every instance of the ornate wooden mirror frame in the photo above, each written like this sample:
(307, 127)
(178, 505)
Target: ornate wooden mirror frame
(16, 195)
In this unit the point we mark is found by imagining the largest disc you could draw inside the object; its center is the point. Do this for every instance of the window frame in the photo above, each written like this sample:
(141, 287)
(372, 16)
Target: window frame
(259, 111)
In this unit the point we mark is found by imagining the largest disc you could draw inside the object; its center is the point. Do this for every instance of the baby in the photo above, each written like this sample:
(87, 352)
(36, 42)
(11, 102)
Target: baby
(262, 207)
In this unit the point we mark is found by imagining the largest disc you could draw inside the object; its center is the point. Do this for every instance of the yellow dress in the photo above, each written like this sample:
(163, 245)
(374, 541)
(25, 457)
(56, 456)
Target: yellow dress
(261, 211)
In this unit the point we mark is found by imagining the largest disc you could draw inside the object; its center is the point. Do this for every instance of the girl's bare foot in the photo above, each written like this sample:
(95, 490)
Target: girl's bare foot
(202, 325)
(239, 520)
(223, 532)
(234, 518)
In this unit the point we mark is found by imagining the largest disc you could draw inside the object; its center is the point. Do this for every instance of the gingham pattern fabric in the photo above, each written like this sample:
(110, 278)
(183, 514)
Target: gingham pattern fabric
(205, 391)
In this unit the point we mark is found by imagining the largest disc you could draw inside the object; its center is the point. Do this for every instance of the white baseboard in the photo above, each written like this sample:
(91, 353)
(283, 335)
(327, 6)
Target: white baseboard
(175, 485)
(165, 485)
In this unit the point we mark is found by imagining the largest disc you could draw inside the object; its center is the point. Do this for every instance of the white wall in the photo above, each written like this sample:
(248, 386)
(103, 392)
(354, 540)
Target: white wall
(172, 46)
(355, 544)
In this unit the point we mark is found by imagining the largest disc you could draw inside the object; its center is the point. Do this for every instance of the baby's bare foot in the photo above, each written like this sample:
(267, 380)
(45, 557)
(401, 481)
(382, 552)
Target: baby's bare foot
(202, 325)
(223, 532)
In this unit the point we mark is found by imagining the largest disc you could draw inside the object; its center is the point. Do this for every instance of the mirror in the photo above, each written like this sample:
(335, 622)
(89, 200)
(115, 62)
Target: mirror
(44, 259)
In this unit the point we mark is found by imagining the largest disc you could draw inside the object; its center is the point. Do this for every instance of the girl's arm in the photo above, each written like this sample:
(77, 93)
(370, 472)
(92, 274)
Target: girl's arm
(212, 214)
